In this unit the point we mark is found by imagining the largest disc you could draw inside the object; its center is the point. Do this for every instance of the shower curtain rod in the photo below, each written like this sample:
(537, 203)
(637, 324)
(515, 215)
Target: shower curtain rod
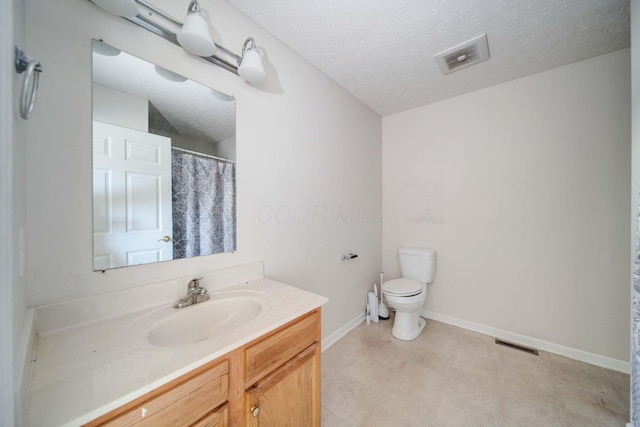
(209, 156)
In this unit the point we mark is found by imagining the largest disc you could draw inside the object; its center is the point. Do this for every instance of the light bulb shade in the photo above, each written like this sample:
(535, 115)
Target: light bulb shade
(169, 75)
(195, 37)
(124, 8)
(104, 49)
(251, 68)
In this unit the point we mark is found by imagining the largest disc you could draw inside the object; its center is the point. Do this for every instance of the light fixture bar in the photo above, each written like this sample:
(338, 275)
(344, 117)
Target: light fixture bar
(222, 63)
(228, 52)
(153, 26)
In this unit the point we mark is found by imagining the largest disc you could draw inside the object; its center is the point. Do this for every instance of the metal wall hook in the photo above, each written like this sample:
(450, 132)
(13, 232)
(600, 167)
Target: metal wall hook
(32, 69)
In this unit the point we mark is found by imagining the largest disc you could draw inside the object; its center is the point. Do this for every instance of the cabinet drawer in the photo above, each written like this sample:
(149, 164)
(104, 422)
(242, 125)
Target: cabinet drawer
(273, 351)
(217, 418)
(183, 404)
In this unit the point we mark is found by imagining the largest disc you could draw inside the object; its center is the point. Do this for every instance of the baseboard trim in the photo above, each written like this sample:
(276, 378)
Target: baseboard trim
(572, 353)
(344, 330)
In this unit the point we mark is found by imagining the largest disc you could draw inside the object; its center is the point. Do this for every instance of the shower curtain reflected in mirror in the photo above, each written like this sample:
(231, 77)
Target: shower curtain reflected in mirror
(204, 206)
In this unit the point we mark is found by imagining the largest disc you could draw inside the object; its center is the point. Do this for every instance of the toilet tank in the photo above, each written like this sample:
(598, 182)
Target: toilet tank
(418, 264)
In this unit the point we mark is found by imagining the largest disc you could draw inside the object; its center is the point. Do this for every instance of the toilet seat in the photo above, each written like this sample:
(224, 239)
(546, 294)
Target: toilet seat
(402, 287)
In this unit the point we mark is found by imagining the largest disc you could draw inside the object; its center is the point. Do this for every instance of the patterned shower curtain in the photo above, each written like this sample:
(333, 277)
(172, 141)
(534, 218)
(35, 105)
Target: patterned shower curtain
(204, 205)
(635, 334)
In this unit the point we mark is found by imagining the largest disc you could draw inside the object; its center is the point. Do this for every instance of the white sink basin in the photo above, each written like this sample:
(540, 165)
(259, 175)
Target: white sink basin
(170, 327)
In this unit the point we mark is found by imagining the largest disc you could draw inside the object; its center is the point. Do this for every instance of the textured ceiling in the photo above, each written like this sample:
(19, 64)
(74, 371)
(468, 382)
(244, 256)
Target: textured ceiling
(382, 51)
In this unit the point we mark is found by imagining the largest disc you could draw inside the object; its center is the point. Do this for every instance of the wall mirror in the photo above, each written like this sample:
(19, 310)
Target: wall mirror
(163, 163)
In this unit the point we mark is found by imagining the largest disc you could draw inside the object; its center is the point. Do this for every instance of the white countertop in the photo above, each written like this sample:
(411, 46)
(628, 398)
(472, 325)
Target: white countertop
(82, 372)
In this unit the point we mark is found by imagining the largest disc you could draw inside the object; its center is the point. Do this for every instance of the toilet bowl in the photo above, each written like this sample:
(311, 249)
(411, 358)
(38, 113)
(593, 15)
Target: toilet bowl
(408, 294)
(407, 324)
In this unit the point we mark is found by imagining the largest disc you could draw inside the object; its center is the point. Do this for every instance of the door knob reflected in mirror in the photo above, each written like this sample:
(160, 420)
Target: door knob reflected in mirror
(165, 239)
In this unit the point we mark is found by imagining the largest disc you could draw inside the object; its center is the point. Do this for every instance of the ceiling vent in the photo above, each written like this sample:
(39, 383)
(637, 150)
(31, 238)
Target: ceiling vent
(463, 55)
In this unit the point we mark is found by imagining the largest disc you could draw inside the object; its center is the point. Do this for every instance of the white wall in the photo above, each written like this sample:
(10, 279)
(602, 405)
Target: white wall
(303, 145)
(13, 282)
(523, 188)
(198, 145)
(120, 108)
(226, 148)
(7, 283)
(18, 187)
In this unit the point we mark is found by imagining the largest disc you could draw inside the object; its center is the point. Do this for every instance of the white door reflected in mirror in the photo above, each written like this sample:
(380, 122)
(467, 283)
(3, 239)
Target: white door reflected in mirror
(131, 197)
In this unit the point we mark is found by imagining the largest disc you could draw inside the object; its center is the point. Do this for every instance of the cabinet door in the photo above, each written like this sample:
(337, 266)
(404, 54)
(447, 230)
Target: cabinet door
(290, 396)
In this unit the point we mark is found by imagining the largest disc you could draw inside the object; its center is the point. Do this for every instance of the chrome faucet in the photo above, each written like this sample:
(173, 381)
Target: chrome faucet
(195, 294)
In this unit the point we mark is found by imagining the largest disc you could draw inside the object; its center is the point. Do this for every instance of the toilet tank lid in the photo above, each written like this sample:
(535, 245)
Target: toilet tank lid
(418, 251)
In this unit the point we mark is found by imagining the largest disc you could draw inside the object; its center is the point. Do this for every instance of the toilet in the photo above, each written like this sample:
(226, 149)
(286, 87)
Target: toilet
(407, 295)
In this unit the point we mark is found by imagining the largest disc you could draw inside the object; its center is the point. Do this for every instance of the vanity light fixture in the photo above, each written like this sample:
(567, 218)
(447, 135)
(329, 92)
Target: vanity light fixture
(193, 35)
(251, 68)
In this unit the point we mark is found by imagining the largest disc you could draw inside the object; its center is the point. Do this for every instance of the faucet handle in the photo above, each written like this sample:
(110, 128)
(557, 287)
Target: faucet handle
(194, 283)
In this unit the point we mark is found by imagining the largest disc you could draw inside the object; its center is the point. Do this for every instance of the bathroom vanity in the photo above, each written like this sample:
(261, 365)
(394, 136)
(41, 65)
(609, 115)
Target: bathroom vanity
(274, 380)
(146, 367)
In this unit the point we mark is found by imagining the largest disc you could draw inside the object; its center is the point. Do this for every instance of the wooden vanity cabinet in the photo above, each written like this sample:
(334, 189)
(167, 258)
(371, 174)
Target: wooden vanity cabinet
(283, 376)
(272, 381)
